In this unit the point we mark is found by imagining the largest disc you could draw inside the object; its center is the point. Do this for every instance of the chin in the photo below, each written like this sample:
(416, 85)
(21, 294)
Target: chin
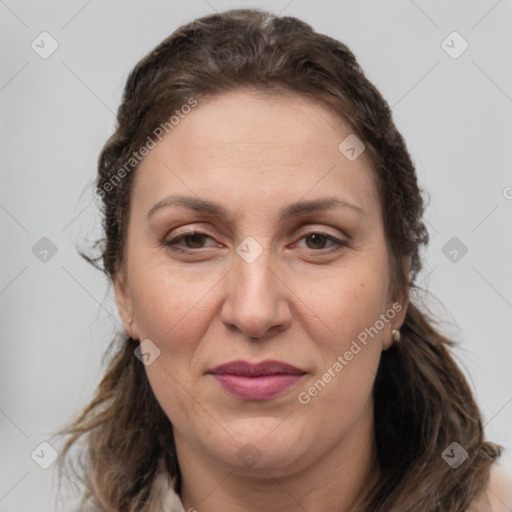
(259, 444)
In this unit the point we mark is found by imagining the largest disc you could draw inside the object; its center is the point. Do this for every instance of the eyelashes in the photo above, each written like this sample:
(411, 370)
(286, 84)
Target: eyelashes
(197, 236)
(194, 234)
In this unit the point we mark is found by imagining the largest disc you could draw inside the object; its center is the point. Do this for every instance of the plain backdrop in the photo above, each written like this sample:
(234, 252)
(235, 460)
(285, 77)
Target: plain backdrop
(453, 107)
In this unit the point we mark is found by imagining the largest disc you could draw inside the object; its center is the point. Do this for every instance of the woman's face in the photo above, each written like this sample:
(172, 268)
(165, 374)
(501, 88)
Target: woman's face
(271, 276)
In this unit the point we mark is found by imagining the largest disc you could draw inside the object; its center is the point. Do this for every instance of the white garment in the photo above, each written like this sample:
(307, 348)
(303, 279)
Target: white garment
(163, 496)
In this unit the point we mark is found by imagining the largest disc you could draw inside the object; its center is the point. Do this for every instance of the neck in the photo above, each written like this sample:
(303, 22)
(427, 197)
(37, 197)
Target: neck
(335, 481)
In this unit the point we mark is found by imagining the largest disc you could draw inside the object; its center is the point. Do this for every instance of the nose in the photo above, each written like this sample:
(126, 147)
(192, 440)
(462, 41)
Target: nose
(257, 299)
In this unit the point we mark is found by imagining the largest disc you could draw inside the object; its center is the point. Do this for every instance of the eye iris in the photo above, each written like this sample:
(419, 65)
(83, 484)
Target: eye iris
(317, 237)
(196, 237)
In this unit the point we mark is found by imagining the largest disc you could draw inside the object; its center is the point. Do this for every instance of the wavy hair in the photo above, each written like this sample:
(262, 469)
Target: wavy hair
(422, 400)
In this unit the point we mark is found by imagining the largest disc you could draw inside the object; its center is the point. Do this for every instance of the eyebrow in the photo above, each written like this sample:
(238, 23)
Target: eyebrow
(293, 210)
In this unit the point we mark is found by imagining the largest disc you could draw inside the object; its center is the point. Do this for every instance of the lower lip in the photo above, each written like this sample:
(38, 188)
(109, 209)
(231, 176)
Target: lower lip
(256, 388)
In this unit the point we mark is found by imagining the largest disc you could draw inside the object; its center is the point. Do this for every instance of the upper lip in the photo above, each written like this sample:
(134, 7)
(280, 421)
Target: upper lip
(247, 369)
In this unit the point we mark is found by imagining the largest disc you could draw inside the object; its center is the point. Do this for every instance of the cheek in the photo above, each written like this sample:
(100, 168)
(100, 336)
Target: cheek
(351, 351)
(170, 304)
(183, 406)
(347, 305)
(174, 312)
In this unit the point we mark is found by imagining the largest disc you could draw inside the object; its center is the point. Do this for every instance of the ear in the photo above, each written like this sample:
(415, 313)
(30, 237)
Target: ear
(124, 303)
(397, 306)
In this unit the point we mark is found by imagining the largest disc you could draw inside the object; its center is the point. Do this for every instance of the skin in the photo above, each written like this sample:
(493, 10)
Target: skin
(299, 301)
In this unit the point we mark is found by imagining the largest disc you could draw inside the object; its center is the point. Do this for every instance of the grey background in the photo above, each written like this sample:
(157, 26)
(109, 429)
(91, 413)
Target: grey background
(58, 316)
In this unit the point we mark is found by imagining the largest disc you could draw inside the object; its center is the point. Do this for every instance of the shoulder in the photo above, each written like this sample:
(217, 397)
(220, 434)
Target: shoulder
(498, 495)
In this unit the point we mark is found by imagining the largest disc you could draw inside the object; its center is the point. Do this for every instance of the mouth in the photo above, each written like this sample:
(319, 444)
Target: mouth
(260, 381)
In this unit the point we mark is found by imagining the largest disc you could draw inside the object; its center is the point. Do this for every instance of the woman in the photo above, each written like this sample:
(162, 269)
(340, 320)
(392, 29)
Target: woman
(263, 224)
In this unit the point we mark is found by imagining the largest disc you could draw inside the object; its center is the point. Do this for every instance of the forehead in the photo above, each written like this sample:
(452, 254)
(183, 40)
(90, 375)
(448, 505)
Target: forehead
(245, 143)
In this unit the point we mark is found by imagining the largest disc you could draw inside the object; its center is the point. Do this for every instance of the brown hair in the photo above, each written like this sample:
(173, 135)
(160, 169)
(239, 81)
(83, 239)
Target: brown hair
(422, 400)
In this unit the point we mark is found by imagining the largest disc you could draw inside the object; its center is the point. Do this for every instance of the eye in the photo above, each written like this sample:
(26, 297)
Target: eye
(318, 240)
(195, 240)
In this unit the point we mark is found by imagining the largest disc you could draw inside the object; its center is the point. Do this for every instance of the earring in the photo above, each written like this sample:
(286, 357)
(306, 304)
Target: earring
(396, 336)
(130, 325)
